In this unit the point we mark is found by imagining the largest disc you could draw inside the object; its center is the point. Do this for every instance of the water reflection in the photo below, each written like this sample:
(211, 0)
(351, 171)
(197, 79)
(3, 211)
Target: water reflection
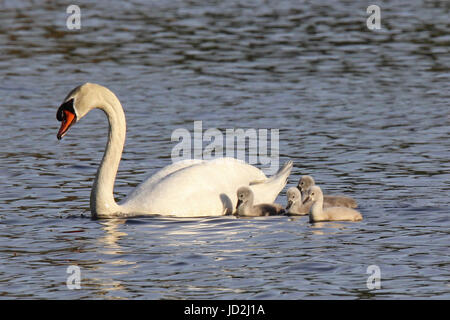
(323, 228)
(112, 235)
(105, 275)
(329, 228)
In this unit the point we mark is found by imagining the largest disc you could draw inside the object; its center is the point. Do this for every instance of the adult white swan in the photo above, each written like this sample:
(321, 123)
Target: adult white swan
(189, 188)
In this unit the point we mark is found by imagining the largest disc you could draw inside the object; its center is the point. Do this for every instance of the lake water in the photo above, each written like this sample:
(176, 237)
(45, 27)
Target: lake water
(365, 112)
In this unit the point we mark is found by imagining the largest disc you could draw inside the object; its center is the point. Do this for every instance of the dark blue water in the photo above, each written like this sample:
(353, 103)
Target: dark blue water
(365, 112)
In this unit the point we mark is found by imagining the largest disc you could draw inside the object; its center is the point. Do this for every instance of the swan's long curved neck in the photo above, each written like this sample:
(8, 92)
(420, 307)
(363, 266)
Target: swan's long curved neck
(102, 194)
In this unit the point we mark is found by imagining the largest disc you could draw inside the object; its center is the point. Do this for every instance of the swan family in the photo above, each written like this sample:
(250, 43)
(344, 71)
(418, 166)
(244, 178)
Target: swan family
(192, 188)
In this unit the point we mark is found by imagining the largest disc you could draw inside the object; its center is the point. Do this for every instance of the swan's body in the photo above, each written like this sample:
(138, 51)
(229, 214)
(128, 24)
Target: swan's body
(317, 213)
(246, 207)
(200, 188)
(186, 189)
(329, 201)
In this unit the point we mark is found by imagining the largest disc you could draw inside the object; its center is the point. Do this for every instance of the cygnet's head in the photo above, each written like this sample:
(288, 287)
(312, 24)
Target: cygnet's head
(313, 194)
(244, 194)
(293, 196)
(305, 183)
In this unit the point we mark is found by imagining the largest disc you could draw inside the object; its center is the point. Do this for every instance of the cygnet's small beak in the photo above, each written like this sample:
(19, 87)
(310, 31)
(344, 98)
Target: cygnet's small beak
(238, 203)
(306, 199)
(289, 205)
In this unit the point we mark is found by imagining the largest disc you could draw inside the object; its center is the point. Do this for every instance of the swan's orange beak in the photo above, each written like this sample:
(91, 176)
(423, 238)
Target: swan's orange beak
(65, 114)
(68, 119)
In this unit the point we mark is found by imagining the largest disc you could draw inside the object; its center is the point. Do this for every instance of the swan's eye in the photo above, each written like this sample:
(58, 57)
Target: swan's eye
(68, 105)
(312, 193)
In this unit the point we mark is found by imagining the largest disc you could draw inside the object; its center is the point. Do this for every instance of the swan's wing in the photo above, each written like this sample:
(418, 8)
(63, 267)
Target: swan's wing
(268, 190)
(257, 182)
(152, 180)
(171, 169)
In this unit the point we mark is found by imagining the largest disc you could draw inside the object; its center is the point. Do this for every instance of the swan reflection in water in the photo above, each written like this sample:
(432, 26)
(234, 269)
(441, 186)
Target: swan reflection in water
(112, 235)
(106, 284)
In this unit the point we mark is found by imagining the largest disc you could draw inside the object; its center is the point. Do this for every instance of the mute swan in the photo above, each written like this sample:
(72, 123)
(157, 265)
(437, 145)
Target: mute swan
(295, 205)
(329, 201)
(318, 213)
(185, 189)
(245, 205)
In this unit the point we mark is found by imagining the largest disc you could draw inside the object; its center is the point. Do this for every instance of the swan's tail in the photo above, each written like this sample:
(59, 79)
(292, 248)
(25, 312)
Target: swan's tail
(284, 172)
(268, 190)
